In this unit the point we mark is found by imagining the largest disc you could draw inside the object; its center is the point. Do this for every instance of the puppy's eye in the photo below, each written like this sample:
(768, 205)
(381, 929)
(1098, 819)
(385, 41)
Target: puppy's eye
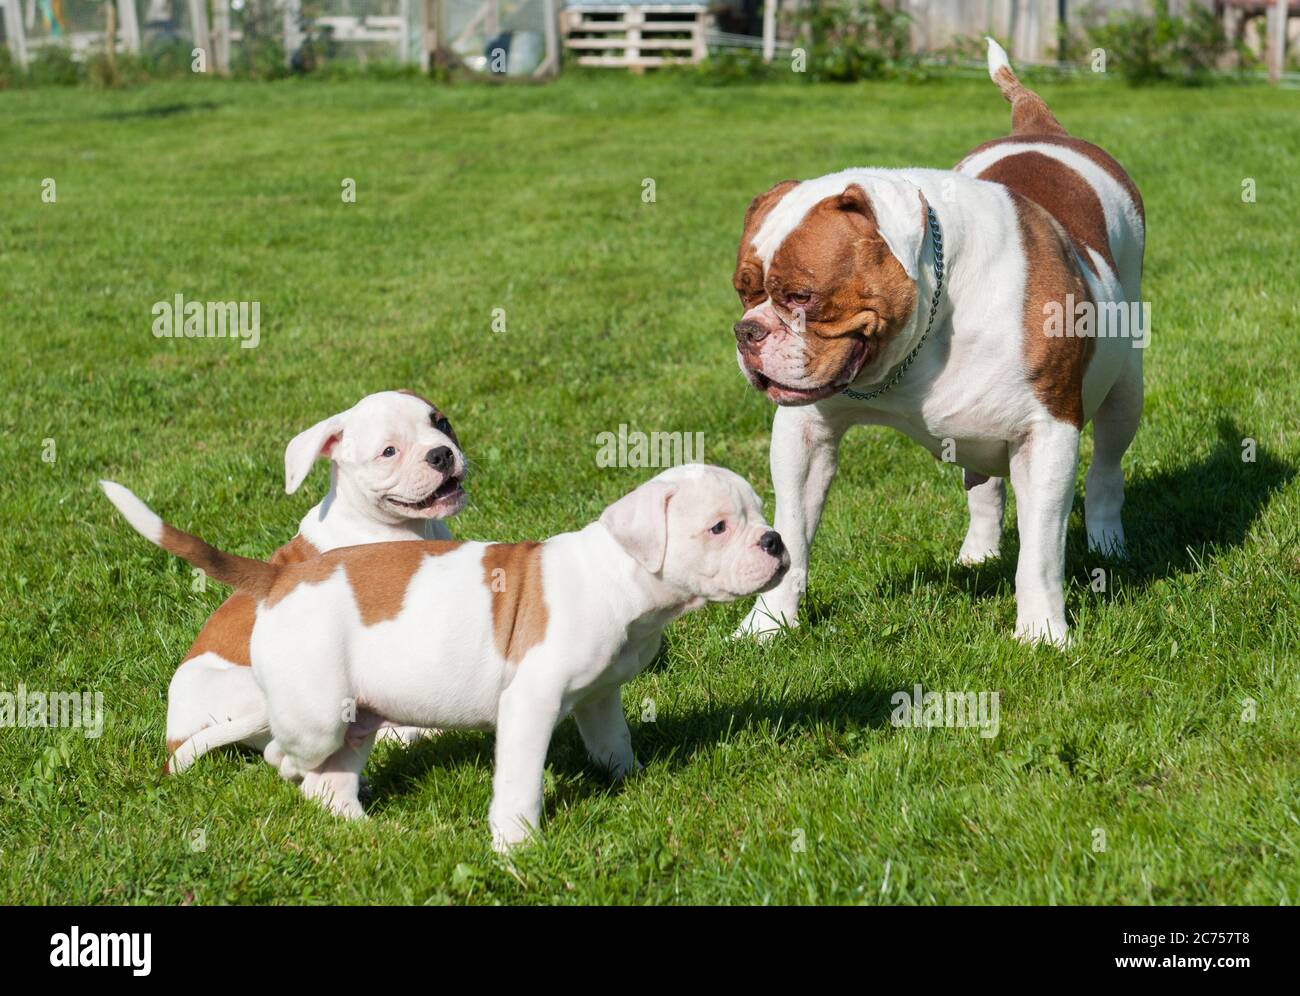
(389, 451)
(718, 528)
(442, 425)
(799, 297)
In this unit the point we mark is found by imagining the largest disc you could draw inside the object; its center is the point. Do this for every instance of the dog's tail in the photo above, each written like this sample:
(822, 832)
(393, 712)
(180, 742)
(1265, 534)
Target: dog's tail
(252, 576)
(217, 735)
(1029, 112)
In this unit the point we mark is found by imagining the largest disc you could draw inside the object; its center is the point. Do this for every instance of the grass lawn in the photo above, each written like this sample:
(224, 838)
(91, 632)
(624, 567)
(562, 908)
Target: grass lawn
(1132, 769)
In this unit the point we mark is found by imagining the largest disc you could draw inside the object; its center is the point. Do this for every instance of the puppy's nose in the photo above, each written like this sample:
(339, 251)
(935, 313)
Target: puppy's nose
(771, 543)
(749, 333)
(440, 459)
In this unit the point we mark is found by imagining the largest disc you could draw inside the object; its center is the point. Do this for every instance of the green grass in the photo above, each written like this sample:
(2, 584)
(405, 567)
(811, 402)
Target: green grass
(618, 311)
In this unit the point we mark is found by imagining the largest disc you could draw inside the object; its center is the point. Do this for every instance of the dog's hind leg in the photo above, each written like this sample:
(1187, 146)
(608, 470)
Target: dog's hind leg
(986, 497)
(1113, 429)
(336, 782)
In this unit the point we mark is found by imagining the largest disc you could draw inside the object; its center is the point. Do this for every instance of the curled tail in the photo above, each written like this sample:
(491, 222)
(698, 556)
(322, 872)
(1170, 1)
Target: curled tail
(1029, 112)
(252, 576)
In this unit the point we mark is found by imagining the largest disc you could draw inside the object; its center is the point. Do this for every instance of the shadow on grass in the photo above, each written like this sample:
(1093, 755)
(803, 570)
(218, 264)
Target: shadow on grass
(1172, 519)
(161, 111)
(671, 742)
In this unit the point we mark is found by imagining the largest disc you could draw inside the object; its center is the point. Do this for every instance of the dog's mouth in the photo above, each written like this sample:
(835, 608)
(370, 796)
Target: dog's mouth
(784, 394)
(441, 500)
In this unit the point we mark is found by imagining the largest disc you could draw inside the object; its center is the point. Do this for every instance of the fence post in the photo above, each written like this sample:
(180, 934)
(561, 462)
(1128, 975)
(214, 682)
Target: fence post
(769, 29)
(292, 31)
(129, 25)
(14, 32)
(221, 36)
(199, 26)
(1276, 40)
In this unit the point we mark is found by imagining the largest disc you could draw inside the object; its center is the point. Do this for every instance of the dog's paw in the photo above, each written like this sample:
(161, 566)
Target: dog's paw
(1052, 632)
(761, 625)
(511, 835)
(1108, 541)
(974, 554)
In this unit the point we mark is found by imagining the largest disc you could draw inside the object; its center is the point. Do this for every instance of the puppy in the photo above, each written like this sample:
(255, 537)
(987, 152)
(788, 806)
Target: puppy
(396, 471)
(942, 304)
(511, 636)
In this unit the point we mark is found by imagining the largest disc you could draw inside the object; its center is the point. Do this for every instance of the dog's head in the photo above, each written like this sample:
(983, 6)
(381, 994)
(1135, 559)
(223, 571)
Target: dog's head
(396, 453)
(701, 530)
(826, 273)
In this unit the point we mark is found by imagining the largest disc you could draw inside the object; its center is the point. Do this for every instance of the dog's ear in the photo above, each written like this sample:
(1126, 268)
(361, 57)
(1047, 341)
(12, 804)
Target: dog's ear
(304, 448)
(897, 209)
(639, 522)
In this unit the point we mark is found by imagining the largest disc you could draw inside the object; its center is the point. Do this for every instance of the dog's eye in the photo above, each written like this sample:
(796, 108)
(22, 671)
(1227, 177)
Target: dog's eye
(799, 297)
(442, 425)
(389, 451)
(718, 528)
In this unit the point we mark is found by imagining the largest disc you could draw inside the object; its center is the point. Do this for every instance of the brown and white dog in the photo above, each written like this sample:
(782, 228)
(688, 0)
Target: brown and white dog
(396, 470)
(511, 636)
(945, 302)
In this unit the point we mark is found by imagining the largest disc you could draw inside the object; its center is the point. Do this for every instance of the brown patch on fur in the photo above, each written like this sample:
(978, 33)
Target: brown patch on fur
(252, 576)
(227, 631)
(295, 551)
(1063, 193)
(858, 291)
(748, 277)
(173, 746)
(1092, 153)
(377, 573)
(1054, 366)
(1030, 114)
(519, 613)
(229, 628)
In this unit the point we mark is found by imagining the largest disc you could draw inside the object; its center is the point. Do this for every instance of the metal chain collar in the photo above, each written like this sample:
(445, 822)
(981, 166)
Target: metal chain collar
(937, 236)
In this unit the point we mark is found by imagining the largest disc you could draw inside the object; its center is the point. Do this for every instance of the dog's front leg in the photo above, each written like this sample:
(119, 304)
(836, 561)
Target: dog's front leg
(603, 726)
(1043, 466)
(805, 452)
(526, 718)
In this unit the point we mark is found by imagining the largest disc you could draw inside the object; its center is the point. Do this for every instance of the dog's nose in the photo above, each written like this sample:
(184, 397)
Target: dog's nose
(440, 459)
(770, 541)
(749, 333)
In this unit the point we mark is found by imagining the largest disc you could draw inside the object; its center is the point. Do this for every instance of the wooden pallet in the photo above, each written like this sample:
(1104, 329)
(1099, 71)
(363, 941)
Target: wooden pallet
(635, 36)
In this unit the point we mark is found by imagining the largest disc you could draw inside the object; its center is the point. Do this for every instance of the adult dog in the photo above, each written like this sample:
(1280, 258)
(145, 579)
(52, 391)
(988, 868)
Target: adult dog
(987, 312)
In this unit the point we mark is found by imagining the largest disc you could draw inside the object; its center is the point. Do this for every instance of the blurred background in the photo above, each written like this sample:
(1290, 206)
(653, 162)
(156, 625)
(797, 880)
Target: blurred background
(67, 41)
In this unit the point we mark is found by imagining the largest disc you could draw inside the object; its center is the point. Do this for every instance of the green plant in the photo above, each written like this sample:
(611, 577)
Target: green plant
(1160, 46)
(855, 40)
(53, 65)
(9, 75)
(743, 65)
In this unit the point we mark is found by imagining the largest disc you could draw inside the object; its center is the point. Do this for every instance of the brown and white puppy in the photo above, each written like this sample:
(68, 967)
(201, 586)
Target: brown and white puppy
(396, 470)
(987, 313)
(511, 636)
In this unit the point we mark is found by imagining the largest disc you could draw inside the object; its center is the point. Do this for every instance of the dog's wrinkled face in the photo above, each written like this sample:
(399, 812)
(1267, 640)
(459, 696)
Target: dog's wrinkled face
(396, 453)
(822, 286)
(701, 529)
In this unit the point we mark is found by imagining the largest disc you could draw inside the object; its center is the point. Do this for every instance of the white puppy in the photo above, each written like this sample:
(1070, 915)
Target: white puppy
(513, 636)
(396, 470)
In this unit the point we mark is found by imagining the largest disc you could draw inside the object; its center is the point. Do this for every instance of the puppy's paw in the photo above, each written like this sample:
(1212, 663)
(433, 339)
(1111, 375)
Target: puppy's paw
(511, 835)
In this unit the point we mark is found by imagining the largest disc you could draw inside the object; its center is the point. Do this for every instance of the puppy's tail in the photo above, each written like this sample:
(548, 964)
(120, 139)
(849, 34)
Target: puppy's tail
(217, 735)
(252, 576)
(1029, 112)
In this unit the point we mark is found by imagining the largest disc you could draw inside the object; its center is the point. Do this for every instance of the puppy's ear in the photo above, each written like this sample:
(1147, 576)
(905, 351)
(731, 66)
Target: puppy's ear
(639, 522)
(897, 209)
(304, 448)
